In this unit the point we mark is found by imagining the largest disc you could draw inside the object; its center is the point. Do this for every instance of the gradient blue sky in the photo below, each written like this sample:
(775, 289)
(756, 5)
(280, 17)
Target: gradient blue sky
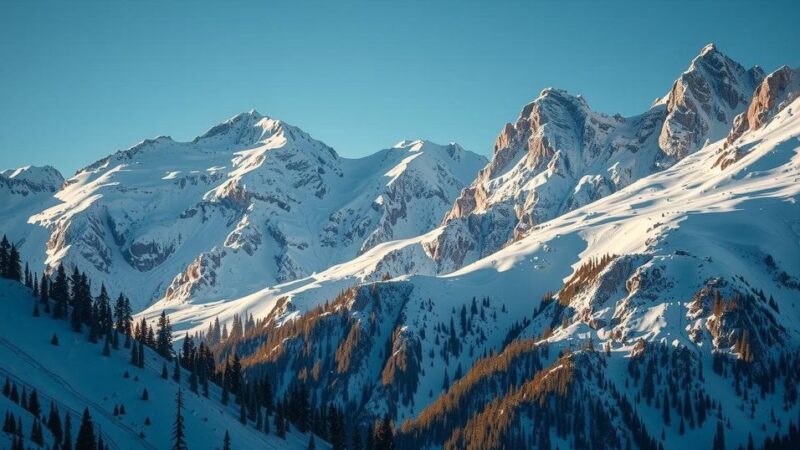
(79, 80)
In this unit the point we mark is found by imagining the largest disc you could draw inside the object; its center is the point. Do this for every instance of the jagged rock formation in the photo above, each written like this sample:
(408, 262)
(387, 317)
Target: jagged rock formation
(560, 155)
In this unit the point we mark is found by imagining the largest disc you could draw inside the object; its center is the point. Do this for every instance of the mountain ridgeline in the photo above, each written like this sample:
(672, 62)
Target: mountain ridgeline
(603, 282)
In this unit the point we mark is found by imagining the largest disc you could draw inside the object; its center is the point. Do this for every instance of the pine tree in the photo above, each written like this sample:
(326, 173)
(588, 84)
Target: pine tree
(336, 432)
(135, 355)
(5, 249)
(145, 395)
(164, 336)
(14, 271)
(719, 437)
(164, 371)
(384, 436)
(178, 433)
(44, 290)
(60, 294)
(140, 358)
(311, 444)
(107, 347)
(54, 423)
(66, 444)
(226, 443)
(36, 433)
(86, 440)
(33, 404)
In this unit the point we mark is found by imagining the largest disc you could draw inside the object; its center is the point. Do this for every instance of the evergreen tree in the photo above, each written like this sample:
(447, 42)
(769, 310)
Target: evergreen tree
(33, 404)
(135, 355)
(66, 444)
(164, 336)
(36, 433)
(44, 289)
(178, 432)
(13, 270)
(311, 444)
(60, 294)
(86, 440)
(226, 443)
(719, 437)
(336, 432)
(384, 436)
(5, 250)
(140, 359)
(164, 371)
(104, 318)
(54, 423)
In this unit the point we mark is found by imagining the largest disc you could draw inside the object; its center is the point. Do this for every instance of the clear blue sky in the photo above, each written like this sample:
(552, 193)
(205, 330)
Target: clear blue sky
(79, 80)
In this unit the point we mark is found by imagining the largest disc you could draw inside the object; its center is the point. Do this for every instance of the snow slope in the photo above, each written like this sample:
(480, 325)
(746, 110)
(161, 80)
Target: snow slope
(75, 375)
(690, 227)
(23, 193)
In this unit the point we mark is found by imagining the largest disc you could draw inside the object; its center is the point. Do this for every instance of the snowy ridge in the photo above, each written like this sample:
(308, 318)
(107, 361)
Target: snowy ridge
(560, 155)
(637, 266)
(253, 196)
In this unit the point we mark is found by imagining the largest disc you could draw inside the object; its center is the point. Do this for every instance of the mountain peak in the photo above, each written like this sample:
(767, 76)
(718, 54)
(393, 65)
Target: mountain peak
(708, 49)
(42, 177)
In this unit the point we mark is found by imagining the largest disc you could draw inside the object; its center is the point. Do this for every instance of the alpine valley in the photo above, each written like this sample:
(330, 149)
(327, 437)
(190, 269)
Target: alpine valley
(603, 282)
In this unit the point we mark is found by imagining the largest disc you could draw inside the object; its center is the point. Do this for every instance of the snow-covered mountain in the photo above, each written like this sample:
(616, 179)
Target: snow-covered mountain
(560, 155)
(604, 281)
(25, 192)
(253, 201)
(692, 268)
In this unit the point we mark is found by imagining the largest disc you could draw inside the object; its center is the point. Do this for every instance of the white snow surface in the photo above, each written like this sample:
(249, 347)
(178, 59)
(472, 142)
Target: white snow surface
(252, 202)
(75, 375)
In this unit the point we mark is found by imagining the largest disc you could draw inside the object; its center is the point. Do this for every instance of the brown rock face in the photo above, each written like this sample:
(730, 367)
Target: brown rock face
(770, 97)
(777, 90)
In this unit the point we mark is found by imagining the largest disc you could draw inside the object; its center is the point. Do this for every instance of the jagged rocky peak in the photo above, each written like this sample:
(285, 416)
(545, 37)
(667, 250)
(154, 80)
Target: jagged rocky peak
(776, 91)
(560, 155)
(704, 100)
(564, 115)
(41, 178)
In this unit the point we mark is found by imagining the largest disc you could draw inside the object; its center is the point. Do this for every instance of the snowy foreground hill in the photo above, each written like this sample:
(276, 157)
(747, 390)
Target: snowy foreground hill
(74, 375)
(603, 282)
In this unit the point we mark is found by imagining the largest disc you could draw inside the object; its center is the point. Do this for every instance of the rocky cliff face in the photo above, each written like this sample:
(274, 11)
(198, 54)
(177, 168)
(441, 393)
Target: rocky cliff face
(560, 155)
(704, 100)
